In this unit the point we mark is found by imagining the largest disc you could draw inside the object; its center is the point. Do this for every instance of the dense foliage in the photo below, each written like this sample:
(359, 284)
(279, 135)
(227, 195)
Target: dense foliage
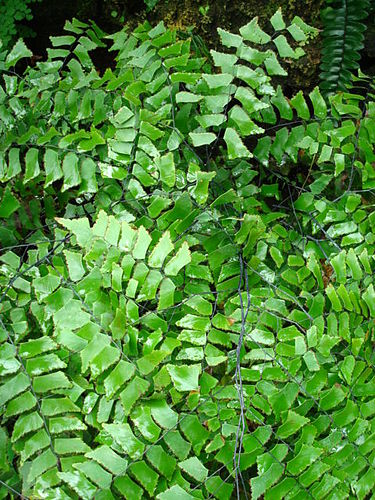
(12, 14)
(187, 294)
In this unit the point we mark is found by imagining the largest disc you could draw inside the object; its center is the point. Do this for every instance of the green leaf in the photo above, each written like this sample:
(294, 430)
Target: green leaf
(185, 77)
(20, 404)
(163, 248)
(118, 377)
(142, 243)
(125, 438)
(277, 21)
(109, 459)
(128, 488)
(200, 191)
(245, 125)
(41, 464)
(365, 484)
(182, 97)
(194, 468)
(276, 256)
(74, 263)
(150, 131)
(177, 444)
(273, 66)
(25, 424)
(194, 322)
(252, 55)
(19, 51)
(141, 416)
(70, 170)
(201, 139)
(34, 347)
(296, 32)
(184, 377)
(68, 446)
(13, 387)
(163, 414)
(44, 364)
(180, 260)
(95, 139)
(218, 80)
(79, 227)
(55, 406)
(304, 202)
(150, 285)
(311, 361)
(320, 183)
(14, 165)
(225, 61)
(236, 148)
(58, 425)
(339, 163)
(146, 476)
(353, 264)
(77, 481)
(103, 360)
(35, 444)
(166, 294)
(52, 167)
(283, 48)
(299, 104)
(167, 170)
(307, 455)
(306, 28)
(95, 473)
(369, 298)
(133, 391)
(347, 368)
(325, 154)
(253, 33)
(32, 164)
(8, 204)
(162, 461)
(229, 39)
(262, 483)
(173, 493)
(52, 381)
(292, 424)
(319, 104)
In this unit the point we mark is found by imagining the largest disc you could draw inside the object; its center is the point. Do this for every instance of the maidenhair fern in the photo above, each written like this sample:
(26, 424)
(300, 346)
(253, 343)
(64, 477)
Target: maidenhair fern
(187, 272)
(12, 13)
(343, 36)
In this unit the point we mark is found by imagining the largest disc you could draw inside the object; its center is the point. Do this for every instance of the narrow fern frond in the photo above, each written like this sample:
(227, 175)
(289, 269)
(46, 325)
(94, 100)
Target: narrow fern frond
(343, 36)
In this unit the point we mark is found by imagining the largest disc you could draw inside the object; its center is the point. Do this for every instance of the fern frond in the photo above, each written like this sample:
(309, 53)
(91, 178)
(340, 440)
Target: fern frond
(343, 36)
